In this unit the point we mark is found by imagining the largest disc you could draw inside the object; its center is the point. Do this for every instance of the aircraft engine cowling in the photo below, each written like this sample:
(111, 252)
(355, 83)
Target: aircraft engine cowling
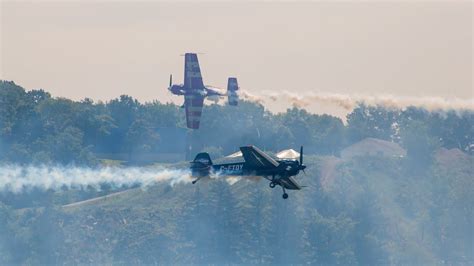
(177, 89)
(232, 88)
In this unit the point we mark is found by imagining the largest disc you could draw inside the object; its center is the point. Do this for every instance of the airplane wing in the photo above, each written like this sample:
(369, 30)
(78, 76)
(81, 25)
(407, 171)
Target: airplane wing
(193, 105)
(290, 183)
(192, 72)
(257, 158)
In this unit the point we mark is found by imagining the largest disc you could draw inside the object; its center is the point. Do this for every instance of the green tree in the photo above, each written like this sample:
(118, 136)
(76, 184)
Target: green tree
(7, 235)
(419, 144)
(367, 121)
(141, 137)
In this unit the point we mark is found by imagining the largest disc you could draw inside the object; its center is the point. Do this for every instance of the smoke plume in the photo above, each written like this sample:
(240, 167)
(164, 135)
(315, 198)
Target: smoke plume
(17, 179)
(349, 102)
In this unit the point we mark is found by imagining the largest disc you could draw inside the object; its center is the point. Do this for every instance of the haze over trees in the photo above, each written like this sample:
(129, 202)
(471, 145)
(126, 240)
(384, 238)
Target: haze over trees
(362, 210)
(37, 128)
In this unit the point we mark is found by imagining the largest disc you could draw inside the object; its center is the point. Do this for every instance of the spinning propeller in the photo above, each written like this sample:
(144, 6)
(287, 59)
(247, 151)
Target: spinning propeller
(302, 166)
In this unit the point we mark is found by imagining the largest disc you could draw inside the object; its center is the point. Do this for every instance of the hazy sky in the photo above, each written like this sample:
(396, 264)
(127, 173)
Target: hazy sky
(103, 49)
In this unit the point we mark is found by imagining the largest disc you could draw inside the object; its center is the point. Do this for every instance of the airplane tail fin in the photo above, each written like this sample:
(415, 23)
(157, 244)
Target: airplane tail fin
(232, 88)
(203, 158)
(201, 166)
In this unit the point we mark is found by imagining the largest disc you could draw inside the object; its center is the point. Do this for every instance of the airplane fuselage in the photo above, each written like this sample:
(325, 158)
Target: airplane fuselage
(177, 89)
(282, 175)
(256, 163)
(181, 90)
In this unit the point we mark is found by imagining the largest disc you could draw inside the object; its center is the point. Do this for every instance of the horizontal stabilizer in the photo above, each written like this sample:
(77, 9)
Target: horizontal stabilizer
(203, 158)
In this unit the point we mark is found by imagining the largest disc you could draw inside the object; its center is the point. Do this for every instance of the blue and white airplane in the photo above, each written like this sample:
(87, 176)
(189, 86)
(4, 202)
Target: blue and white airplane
(256, 163)
(195, 91)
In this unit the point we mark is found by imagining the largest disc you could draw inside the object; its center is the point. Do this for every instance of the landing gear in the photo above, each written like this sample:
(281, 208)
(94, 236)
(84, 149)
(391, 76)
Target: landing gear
(272, 182)
(285, 196)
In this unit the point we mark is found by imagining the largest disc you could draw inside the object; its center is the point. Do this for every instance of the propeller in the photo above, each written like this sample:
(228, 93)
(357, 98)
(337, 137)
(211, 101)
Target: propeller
(301, 155)
(302, 166)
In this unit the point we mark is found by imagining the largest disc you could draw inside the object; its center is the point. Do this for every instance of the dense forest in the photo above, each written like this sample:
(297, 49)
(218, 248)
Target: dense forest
(37, 128)
(363, 209)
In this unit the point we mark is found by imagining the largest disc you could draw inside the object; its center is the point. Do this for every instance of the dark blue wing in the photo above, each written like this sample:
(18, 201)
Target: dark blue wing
(192, 72)
(254, 157)
(193, 105)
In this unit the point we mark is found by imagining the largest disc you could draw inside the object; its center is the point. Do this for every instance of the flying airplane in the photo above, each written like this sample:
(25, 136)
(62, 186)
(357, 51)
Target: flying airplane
(256, 163)
(195, 91)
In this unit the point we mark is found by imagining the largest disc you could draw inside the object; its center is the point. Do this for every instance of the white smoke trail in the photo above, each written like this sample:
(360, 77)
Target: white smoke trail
(17, 179)
(349, 102)
(230, 179)
(251, 97)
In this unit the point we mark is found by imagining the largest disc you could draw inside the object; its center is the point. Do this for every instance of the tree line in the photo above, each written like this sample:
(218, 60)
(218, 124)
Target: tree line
(38, 128)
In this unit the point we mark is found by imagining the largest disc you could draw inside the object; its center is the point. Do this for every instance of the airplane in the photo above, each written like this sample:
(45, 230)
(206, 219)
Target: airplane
(195, 91)
(256, 163)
